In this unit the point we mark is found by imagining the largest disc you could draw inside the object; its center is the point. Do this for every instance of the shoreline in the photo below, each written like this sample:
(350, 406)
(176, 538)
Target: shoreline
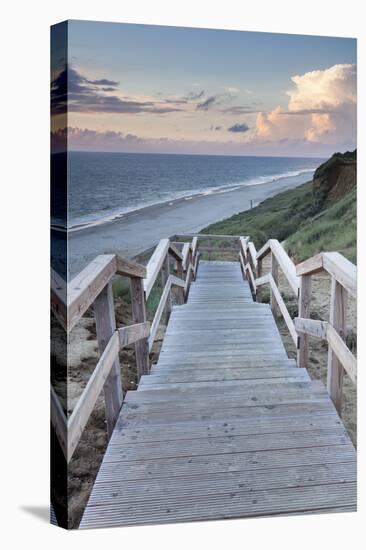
(139, 230)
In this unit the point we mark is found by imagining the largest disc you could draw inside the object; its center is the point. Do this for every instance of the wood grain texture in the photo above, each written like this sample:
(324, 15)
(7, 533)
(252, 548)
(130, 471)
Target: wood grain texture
(225, 425)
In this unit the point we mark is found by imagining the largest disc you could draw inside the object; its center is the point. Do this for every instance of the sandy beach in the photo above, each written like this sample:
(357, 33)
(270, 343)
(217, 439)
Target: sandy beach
(137, 231)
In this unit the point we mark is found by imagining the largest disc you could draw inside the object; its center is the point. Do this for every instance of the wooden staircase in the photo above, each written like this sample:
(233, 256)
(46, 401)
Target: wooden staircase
(225, 425)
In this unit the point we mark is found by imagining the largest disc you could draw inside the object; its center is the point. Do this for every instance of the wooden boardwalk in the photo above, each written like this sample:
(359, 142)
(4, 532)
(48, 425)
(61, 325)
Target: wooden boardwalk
(225, 425)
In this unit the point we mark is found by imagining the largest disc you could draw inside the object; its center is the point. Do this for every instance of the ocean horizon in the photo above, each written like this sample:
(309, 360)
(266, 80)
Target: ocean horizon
(106, 186)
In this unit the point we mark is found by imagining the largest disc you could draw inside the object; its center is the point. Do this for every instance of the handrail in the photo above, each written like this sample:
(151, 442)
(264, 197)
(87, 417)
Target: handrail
(344, 275)
(156, 261)
(70, 301)
(187, 262)
(336, 265)
(76, 424)
(286, 264)
(325, 331)
(344, 280)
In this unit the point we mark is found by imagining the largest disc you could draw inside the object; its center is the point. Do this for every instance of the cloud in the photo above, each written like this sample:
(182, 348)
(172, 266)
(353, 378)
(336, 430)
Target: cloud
(194, 96)
(215, 128)
(72, 91)
(205, 105)
(239, 110)
(321, 109)
(238, 128)
(231, 90)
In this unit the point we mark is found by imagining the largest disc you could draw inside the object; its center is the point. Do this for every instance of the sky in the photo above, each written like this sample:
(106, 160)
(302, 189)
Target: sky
(154, 89)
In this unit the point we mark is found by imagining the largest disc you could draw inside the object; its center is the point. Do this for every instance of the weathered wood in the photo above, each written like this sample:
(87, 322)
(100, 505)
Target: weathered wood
(88, 398)
(59, 298)
(174, 252)
(185, 254)
(318, 329)
(337, 319)
(105, 322)
(264, 251)
(85, 287)
(311, 266)
(282, 306)
(274, 272)
(139, 316)
(251, 278)
(344, 355)
(128, 268)
(259, 274)
(225, 425)
(252, 255)
(159, 312)
(286, 265)
(59, 421)
(180, 276)
(304, 312)
(133, 333)
(342, 270)
(154, 265)
(165, 272)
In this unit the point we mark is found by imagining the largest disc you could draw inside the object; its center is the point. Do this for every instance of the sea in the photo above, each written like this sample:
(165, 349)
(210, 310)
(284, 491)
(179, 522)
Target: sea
(106, 186)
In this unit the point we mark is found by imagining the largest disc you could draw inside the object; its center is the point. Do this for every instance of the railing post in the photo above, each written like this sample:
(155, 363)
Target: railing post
(259, 274)
(105, 322)
(337, 318)
(304, 311)
(180, 290)
(164, 277)
(274, 270)
(139, 316)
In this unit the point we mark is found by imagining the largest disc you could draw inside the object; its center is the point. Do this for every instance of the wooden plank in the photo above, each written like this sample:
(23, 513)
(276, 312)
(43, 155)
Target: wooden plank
(315, 328)
(311, 266)
(252, 254)
(343, 354)
(279, 501)
(248, 269)
(159, 312)
(59, 421)
(180, 284)
(133, 333)
(185, 254)
(274, 272)
(304, 312)
(174, 252)
(88, 398)
(287, 266)
(194, 246)
(128, 268)
(154, 265)
(165, 272)
(59, 298)
(264, 251)
(342, 270)
(139, 316)
(337, 319)
(85, 287)
(105, 322)
(283, 309)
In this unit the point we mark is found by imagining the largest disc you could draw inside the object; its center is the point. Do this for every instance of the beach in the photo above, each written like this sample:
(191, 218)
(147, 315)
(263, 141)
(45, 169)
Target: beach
(137, 231)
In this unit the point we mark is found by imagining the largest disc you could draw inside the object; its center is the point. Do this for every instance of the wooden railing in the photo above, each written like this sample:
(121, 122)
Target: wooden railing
(344, 281)
(343, 274)
(186, 268)
(93, 287)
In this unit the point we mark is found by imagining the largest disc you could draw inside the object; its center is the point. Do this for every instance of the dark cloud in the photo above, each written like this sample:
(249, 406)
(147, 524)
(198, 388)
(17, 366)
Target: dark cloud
(74, 92)
(306, 112)
(205, 105)
(239, 128)
(195, 95)
(239, 110)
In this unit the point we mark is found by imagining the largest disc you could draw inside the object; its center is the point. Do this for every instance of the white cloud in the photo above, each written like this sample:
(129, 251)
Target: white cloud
(321, 109)
(231, 90)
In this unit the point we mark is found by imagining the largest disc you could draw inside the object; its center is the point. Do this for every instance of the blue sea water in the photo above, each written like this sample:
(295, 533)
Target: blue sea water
(104, 186)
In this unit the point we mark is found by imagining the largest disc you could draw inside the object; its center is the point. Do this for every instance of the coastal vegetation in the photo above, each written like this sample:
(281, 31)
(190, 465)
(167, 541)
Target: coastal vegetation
(316, 216)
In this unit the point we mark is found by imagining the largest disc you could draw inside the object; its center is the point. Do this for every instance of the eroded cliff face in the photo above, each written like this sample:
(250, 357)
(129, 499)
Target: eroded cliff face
(335, 178)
